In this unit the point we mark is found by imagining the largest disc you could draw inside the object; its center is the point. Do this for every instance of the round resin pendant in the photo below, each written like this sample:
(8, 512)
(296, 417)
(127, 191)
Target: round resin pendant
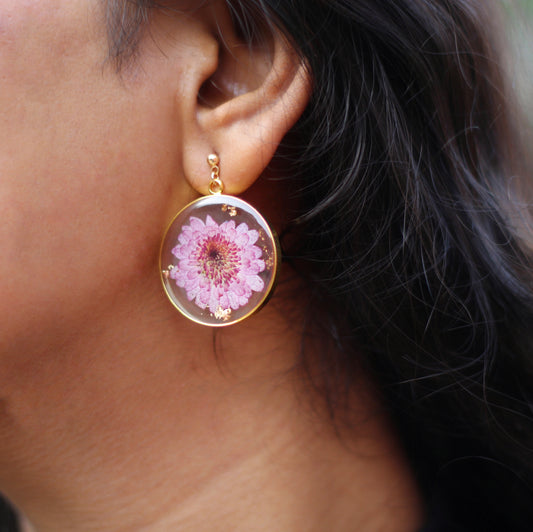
(219, 260)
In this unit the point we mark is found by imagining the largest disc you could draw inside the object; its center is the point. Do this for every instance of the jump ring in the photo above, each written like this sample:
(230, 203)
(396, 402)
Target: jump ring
(216, 186)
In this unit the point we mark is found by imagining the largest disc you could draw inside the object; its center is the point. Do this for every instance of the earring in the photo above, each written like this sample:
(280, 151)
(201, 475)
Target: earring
(219, 257)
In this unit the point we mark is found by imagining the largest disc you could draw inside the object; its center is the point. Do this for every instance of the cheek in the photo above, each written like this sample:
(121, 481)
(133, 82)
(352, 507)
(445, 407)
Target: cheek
(39, 52)
(84, 219)
(75, 242)
(37, 39)
(85, 174)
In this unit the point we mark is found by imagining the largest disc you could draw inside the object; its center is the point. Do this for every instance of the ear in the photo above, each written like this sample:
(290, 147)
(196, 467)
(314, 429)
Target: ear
(243, 104)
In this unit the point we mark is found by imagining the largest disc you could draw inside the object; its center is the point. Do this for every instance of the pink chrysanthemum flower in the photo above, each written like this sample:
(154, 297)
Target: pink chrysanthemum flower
(218, 264)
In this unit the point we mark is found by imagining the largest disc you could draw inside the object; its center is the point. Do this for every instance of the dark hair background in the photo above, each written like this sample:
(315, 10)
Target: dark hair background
(409, 229)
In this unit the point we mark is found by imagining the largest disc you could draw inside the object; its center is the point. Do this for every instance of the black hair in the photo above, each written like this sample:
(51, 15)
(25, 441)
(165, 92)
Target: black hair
(410, 229)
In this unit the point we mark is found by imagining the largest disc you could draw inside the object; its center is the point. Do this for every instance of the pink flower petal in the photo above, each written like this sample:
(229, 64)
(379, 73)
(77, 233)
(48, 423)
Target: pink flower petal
(233, 301)
(192, 284)
(255, 283)
(184, 237)
(253, 235)
(218, 264)
(213, 300)
(253, 268)
(242, 240)
(186, 264)
(196, 224)
(224, 301)
(202, 298)
(228, 226)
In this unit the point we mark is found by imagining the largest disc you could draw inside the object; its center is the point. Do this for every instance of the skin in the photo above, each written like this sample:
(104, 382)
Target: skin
(115, 412)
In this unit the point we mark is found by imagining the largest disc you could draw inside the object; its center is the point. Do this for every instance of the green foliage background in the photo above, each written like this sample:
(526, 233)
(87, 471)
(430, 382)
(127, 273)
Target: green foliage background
(519, 33)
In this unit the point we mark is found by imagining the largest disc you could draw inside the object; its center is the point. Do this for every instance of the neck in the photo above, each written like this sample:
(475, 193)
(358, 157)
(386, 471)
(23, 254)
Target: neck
(164, 434)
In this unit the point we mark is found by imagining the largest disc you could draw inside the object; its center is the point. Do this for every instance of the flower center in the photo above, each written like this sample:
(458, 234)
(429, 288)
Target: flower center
(214, 255)
(218, 260)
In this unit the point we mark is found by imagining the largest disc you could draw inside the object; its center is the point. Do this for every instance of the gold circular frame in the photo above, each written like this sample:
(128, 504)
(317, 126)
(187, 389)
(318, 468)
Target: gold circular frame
(219, 208)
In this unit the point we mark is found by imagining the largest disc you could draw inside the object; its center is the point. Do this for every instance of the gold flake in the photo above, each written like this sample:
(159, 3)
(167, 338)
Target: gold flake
(230, 209)
(223, 314)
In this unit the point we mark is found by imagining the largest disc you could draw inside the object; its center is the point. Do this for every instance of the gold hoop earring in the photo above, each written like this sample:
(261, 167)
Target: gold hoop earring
(219, 257)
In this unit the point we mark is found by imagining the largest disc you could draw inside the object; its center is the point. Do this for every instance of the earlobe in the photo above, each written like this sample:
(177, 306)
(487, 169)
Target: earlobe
(245, 108)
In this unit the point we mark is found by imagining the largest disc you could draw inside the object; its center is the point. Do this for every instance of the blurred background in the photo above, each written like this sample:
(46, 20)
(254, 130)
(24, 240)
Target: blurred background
(519, 37)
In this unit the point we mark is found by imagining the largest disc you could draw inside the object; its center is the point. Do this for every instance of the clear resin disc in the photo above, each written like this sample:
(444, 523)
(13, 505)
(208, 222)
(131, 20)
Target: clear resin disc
(219, 260)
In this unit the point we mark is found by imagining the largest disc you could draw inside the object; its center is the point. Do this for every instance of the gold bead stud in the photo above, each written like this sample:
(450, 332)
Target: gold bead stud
(213, 159)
